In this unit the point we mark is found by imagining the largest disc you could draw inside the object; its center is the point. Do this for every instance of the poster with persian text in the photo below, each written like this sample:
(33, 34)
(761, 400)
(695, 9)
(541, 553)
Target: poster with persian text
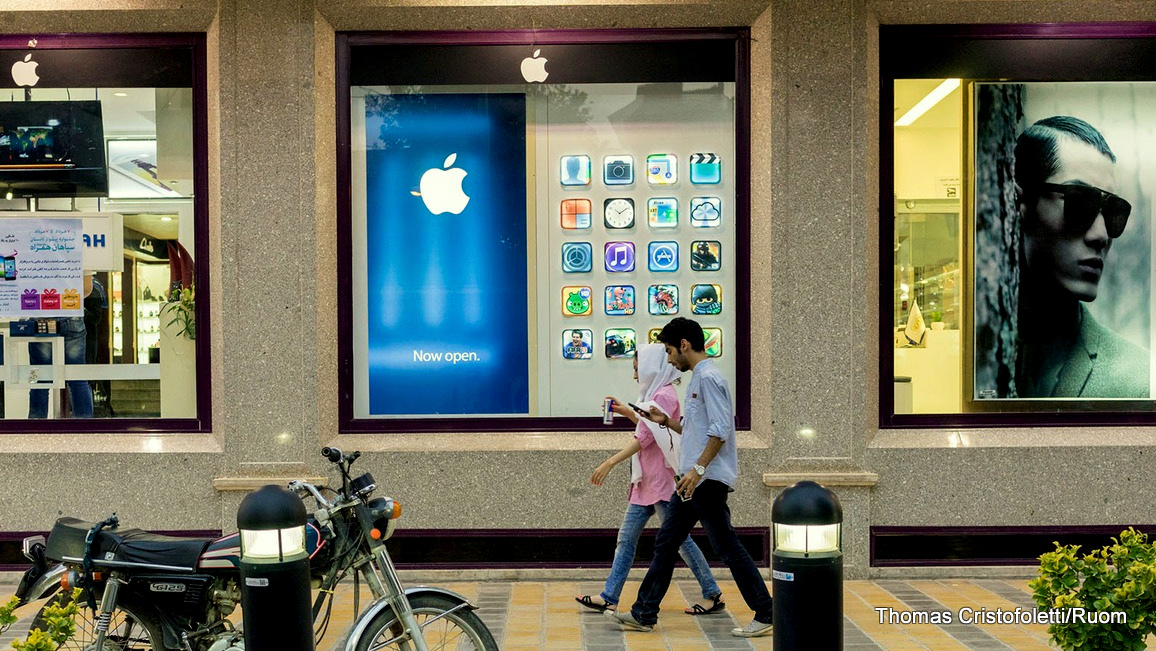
(41, 267)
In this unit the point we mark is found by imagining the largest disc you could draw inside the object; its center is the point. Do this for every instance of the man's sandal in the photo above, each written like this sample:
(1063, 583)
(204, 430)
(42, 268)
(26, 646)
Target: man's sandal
(588, 601)
(717, 606)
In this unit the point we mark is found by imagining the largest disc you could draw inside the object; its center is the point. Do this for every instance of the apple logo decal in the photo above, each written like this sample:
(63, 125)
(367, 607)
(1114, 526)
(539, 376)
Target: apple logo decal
(24, 72)
(534, 68)
(441, 189)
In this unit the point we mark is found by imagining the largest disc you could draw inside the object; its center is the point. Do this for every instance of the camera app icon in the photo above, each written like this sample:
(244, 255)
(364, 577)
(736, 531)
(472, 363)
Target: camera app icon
(618, 170)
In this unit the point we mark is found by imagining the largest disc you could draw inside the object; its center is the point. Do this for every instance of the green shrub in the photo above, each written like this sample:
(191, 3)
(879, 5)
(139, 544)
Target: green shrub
(1120, 577)
(60, 625)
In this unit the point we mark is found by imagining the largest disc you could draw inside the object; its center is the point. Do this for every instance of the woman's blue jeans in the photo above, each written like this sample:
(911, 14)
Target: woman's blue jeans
(628, 535)
(79, 391)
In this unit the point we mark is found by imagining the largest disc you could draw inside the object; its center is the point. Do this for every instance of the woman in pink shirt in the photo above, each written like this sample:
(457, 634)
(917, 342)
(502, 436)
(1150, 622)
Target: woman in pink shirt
(651, 482)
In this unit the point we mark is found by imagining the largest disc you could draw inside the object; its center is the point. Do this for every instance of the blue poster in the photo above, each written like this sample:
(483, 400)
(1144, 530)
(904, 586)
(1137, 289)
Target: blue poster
(446, 254)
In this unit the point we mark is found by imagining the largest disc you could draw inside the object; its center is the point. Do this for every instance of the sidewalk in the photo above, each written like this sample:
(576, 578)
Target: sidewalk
(529, 615)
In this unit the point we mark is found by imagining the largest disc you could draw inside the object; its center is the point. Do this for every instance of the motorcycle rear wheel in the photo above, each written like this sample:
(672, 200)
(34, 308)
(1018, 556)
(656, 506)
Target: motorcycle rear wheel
(127, 631)
(461, 630)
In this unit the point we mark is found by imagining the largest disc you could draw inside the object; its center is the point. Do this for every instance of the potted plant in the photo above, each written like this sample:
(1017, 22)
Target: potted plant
(182, 308)
(1117, 578)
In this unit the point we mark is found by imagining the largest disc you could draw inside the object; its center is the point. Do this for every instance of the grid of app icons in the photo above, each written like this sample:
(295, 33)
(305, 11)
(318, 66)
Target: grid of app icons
(658, 187)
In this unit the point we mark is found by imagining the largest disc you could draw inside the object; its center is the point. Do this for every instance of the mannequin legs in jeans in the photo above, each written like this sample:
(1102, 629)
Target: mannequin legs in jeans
(79, 391)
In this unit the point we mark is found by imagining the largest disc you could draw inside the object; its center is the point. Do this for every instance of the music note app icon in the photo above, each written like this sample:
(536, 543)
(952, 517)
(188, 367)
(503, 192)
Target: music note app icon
(619, 256)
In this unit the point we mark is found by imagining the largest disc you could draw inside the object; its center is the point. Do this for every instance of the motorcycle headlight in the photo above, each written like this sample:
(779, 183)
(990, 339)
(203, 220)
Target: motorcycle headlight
(384, 512)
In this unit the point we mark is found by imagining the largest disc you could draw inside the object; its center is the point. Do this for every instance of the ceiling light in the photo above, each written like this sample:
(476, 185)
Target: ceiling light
(166, 218)
(925, 104)
(120, 94)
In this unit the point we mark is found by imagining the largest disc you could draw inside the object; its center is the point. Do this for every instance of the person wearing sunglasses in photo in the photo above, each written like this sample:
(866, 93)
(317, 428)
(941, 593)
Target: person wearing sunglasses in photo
(1070, 214)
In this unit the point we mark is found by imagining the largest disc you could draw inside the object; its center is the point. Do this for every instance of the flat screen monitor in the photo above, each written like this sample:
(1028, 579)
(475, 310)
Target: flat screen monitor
(52, 149)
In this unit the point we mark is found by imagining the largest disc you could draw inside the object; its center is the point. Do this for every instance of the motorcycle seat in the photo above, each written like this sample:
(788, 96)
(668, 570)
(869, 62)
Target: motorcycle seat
(113, 547)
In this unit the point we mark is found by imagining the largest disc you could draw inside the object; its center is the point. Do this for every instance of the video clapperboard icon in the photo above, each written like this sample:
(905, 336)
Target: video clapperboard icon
(705, 169)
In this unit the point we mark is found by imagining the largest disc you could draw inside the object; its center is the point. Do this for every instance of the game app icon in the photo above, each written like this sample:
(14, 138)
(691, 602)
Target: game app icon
(576, 170)
(620, 342)
(662, 299)
(619, 256)
(705, 255)
(618, 213)
(705, 212)
(662, 212)
(618, 170)
(577, 257)
(662, 256)
(705, 169)
(576, 301)
(652, 335)
(576, 213)
(620, 300)
(713, 338)
(706, 299)
(576, 344)
(662, 169)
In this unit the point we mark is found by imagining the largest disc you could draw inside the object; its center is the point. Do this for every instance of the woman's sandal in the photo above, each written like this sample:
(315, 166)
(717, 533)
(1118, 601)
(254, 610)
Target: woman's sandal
(697, 609)
(587, 601)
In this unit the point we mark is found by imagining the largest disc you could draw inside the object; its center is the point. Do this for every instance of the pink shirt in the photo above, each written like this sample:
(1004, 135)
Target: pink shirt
(657, 483)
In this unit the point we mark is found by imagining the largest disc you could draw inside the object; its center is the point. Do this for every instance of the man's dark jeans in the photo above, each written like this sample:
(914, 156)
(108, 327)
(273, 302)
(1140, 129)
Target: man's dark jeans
(708, 506)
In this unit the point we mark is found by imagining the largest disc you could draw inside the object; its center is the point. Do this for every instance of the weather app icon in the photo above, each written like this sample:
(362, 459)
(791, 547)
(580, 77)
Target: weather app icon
(705, 212)
(577, 257)
(619, 256)
(663, 256)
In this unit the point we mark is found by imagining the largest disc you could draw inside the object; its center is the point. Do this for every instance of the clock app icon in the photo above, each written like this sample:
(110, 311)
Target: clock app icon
(618, 213)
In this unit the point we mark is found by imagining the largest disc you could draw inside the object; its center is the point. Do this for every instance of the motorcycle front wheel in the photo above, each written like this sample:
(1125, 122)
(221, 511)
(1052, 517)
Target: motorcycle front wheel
(127, 631)
(461, 630)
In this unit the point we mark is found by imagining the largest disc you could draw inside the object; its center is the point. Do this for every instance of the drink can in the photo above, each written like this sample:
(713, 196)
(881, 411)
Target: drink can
(608, 411)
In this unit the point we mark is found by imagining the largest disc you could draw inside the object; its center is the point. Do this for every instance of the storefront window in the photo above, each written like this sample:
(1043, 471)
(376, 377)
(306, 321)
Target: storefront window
(101, 222)
(521, 222)
(1018, 225)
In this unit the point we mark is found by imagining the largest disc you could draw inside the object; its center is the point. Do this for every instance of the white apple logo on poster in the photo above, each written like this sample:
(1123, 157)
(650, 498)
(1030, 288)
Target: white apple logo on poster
(24, 72)
(441, 189)
(534, 68)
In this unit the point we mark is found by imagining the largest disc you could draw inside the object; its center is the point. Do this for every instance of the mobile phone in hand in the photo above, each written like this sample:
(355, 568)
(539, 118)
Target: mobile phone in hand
(644, 414)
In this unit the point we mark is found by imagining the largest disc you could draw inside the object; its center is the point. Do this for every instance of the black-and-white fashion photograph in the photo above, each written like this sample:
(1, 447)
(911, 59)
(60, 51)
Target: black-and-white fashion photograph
(1064, 175)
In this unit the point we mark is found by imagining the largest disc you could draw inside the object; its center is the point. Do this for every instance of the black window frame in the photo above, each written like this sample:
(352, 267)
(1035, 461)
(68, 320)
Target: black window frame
(146, 60)
(425, 53)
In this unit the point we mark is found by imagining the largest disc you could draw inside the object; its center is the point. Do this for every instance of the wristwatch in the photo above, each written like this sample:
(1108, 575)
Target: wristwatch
(701, 470)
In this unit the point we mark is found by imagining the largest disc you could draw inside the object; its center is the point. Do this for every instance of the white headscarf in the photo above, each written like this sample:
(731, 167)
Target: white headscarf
(654, 372)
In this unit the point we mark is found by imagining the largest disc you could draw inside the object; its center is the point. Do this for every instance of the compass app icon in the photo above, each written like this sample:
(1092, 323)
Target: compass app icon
(663, 256)
(577, 257)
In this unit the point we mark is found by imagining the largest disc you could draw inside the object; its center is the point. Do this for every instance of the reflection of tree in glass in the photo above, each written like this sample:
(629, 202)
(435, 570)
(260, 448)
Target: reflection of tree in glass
(567, 104)
(384, 107)
(997, 236)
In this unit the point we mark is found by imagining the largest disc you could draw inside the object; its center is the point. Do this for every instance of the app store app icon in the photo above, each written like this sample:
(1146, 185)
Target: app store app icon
(663, 256)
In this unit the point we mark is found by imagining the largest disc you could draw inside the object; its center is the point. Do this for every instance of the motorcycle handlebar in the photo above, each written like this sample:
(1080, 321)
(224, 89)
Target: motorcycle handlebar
(334, 455)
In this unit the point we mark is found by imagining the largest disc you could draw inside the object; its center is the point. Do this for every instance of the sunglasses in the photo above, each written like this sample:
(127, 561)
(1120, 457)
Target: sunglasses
(1082, 203)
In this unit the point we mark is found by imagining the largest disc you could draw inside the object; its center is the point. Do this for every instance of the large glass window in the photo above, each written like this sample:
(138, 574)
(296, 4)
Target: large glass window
(102, 213)
(521, 221)
(1018, 221)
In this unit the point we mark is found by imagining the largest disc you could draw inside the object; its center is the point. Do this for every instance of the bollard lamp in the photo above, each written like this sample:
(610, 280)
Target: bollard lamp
(275, 585)
(807, 519)
(272, 524)
(807, 568)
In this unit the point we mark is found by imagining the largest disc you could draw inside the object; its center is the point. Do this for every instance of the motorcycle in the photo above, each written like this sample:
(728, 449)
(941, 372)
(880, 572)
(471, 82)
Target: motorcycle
(142, 591)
